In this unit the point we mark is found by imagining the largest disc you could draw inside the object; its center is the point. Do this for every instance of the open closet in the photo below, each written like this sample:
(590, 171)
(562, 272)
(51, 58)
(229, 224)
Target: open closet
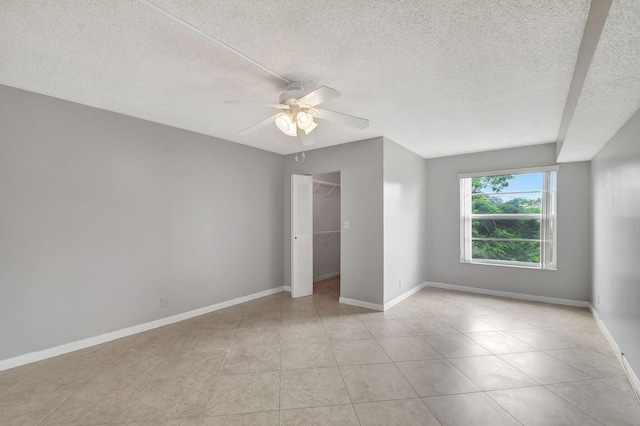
(326, 233)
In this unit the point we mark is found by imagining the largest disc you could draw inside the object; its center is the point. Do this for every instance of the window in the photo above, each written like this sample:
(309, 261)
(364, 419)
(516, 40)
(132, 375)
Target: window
(508, 217)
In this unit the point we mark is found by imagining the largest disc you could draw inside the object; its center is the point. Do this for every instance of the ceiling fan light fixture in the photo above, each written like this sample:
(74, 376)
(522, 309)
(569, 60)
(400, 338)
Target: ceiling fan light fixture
(304, 120)
(310, 128)
(286, 124)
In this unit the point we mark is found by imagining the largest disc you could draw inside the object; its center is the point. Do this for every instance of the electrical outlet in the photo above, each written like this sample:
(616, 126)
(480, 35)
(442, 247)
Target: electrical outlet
(399, 283)
(164, 302)
(598, 299)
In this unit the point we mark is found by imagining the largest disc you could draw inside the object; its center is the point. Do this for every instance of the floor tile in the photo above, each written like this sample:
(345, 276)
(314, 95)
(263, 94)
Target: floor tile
(376, 382)
(406, 412)
(584, 335)
(160, 341)
(301, 304)
(320, 416)
(15, 376)
(541, 339)
(388, 328)
(370, 315)
(96, 403)
(193, 363)
(300, 317)
(271, 418)
(540, 407)
(132, 367)
(245, 393)
(264, 319)
(296, 355)
(429, 326)
(207, 370)
(353, 352)
(303, 333)
(446, 310)
(601, 401)
(6, 388)
(506, 322)
(454, 345)
(589, 361)
(436, 377)
(353, 330)
(490, 373)
(30, 402)
(468, 324)
(251, 359)
(207, 340)
(469, 409)
(499, 342)
(172, 398)
(408, 349)
(543, 368)
(75, 367)
(620, 383)
(312, 388)
(177, 422)
(257, 336)
(414, 311)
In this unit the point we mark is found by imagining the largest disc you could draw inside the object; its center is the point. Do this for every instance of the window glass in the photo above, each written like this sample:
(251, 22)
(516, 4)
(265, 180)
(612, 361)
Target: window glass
(509, 219)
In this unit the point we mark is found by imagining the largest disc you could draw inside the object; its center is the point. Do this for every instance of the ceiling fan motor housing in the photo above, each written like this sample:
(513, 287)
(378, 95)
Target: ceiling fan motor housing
(295, 90)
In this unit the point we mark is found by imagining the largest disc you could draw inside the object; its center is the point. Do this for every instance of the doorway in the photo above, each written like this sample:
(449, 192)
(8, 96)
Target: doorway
(326, 234)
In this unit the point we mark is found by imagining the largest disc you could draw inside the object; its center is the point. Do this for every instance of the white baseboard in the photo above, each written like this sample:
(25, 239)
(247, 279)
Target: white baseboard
(19, 360)
(361, 304)
(633, 378)
(522, 296)
(326, 276)
(287, 288)
(404, 296)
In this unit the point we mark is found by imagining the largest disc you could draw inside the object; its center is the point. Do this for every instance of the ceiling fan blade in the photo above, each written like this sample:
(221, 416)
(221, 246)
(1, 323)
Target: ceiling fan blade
(264, 123)
(308, 140)
(320, 95)
(338, 117)
(279, 106)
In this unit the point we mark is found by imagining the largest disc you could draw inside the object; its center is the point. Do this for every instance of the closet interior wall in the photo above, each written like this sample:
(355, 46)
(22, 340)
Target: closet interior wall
(326, 226)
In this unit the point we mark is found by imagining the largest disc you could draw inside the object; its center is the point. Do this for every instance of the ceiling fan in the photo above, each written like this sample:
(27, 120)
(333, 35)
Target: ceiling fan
(299, 111)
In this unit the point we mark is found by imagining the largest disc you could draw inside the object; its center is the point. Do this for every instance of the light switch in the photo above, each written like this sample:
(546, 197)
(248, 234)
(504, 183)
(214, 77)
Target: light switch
(346, 224)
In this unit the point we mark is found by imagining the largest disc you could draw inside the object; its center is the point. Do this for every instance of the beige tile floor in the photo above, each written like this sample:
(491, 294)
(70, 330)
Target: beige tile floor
(439, 357)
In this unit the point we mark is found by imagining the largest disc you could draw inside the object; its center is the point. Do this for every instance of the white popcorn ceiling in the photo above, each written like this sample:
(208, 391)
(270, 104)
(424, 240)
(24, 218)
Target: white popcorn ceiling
(438, 77)
(611, 91)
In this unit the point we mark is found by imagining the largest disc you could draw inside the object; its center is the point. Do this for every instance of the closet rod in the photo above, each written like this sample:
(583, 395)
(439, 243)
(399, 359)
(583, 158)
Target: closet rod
(322, 182)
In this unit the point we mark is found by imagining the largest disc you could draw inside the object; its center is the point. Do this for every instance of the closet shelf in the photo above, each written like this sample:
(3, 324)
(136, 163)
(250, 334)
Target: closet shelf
(322, 182)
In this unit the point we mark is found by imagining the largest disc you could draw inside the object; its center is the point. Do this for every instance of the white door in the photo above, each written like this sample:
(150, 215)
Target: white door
(301, 235)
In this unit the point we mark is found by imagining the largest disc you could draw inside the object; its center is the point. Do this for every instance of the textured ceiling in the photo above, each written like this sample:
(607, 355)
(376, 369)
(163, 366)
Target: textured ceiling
(611, 91)
(438, 77)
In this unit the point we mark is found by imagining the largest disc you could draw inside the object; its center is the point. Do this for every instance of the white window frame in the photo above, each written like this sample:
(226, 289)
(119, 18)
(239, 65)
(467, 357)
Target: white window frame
(547, 217)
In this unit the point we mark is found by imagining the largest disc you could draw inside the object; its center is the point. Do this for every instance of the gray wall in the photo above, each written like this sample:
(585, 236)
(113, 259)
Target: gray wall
(103, 214)
(572, 280)
(326, 217)
(405, 213)
(360, 167)
(615, 174)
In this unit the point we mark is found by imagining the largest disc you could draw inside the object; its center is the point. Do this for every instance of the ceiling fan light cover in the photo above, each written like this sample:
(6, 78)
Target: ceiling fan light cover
(304, 120)
(310, 128)
(286, 124)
